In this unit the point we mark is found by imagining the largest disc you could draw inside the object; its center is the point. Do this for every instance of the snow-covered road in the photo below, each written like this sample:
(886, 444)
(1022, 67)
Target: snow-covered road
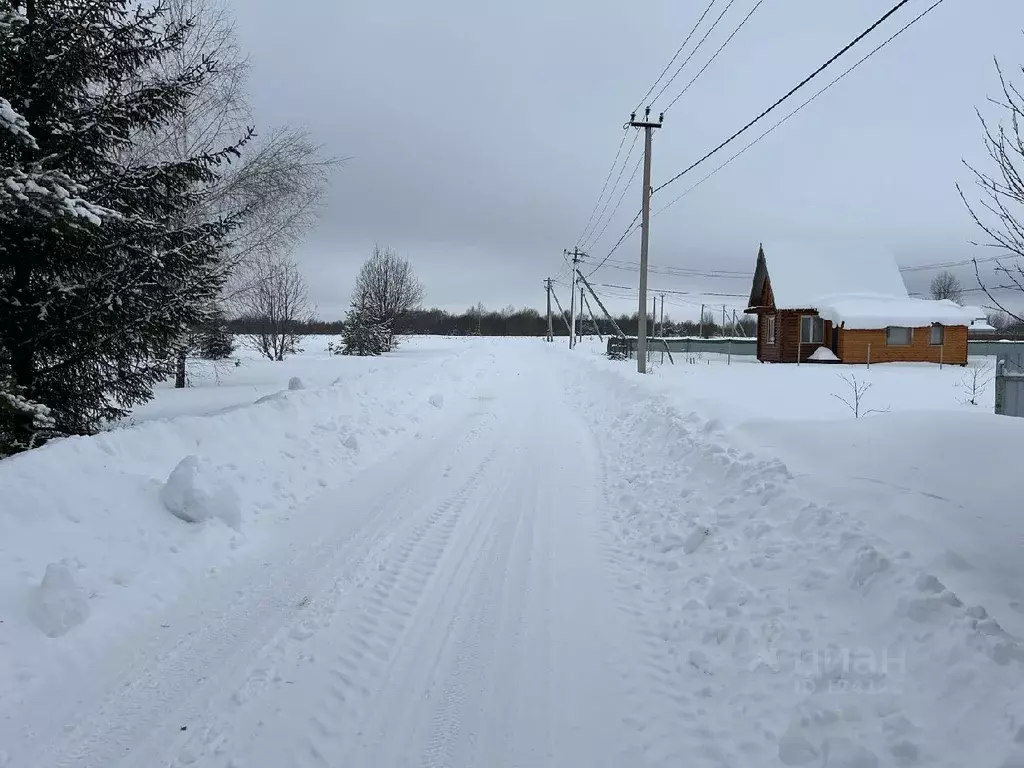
(561, 571)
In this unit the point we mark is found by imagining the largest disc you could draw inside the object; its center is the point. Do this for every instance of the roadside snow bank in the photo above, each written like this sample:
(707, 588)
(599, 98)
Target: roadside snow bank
(824, 618)
(101, 503)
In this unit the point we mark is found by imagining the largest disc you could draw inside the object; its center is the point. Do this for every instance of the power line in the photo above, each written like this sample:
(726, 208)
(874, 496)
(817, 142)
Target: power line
(591, 240)
(715, 56)
(675, 56)
(618, 204)
(676, 272)
(795, 111)
(947, 264)
(674, 293)
(622, 238)
(694, 51)
(790, 93)
(607, 178)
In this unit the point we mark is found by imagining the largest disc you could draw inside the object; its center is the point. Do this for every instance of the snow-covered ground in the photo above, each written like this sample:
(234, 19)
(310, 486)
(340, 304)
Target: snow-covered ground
(496, 552)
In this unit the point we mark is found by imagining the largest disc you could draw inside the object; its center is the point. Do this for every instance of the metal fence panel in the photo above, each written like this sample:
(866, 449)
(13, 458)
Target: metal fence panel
(1010, 382)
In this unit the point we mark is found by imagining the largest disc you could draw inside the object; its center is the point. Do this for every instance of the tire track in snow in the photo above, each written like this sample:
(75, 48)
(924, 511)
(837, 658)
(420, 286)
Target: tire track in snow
(170, 681)
(354, 659)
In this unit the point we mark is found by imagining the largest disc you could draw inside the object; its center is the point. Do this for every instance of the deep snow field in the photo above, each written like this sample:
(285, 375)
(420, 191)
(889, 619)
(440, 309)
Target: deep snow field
(497, 552)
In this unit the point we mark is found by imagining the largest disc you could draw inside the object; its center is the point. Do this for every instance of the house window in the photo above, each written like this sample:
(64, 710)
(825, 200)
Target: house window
(770, 326)
(938, 334)
(897, 336)
(812, 329)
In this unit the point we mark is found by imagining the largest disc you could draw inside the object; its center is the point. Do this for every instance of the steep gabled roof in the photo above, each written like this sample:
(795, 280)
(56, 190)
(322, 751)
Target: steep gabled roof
(803, 272)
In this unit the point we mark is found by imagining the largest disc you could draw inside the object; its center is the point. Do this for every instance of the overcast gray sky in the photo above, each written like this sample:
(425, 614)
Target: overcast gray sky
(479, 134)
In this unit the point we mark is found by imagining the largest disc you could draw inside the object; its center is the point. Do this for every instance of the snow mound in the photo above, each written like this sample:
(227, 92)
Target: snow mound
(58, 604)
(295, 383)
(824, 355)
(195, 493)
(436, 400)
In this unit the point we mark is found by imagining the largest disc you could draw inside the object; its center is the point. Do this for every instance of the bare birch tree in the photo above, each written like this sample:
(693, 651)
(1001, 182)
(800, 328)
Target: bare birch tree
(275, 305)
(276, 185)
(1000, 211)
(387, 290)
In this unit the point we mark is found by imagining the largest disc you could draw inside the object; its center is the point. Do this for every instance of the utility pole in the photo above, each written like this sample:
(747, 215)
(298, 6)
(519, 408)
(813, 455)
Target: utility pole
(607, 314)
(661, 333)
(645, 233)
(700, 333)
(551, 331)
(582, 318)
(723, 320)
(575, 253)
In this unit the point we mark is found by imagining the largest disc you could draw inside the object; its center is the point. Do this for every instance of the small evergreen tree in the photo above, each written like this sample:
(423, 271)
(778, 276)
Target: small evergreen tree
(363, 334)
(213, 341)
(100, 272)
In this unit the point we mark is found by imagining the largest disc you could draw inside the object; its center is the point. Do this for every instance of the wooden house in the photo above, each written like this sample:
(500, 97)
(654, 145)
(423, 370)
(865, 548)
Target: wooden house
(848, 304)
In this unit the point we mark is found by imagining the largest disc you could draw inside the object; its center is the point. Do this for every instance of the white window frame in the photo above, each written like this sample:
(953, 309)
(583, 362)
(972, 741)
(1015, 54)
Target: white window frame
(942, 335)
(816, 322)
(907, 343)
(770, 329)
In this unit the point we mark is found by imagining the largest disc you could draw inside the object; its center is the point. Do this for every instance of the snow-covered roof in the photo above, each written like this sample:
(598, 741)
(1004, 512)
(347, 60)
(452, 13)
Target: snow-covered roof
(802, 272)
(976, 313)
(864, 311)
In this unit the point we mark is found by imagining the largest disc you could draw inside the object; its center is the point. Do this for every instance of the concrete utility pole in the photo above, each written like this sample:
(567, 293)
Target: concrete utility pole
(723, 320)
(582, 318)
(661, 332)
(645, 233)
(575, 253)
(604, 309)
(700, 333)
(551, 330)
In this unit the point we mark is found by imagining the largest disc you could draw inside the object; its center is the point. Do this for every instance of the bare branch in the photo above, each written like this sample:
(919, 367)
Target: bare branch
(276, 303)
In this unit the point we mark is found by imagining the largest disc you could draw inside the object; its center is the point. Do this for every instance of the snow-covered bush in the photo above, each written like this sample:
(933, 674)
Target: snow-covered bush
(24, 423)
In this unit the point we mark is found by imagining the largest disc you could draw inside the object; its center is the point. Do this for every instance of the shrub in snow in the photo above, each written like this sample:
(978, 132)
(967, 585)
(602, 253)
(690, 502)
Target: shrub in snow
(975, 381)
(295, 383)
(855, 395)
(23, 423)
(58, 604)
(195, 493)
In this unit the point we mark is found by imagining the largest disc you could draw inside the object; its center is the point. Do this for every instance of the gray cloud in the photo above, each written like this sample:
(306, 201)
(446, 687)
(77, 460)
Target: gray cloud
(478, 135)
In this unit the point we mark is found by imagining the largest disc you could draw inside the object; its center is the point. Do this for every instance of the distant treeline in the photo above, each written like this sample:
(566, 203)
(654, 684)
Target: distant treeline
(479, 321)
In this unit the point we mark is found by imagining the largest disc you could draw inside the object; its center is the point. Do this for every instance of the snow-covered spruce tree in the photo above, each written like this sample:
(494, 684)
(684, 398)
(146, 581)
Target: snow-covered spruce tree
(363, 334)
(213, 341)
(99, 272)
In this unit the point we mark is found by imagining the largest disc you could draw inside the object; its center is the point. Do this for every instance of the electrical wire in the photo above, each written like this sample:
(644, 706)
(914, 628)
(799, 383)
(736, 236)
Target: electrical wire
(947, 264)
(789, 94)
(607, 178)
(592, 239)
(618, 204)
(631, 228)
(794, 112)
(693, 52)
(715, 56)
(675, 56)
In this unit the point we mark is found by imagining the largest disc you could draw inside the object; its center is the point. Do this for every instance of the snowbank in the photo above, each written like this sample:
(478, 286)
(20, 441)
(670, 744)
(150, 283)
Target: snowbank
(873, 311)
(114, 506)
(861, 579)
